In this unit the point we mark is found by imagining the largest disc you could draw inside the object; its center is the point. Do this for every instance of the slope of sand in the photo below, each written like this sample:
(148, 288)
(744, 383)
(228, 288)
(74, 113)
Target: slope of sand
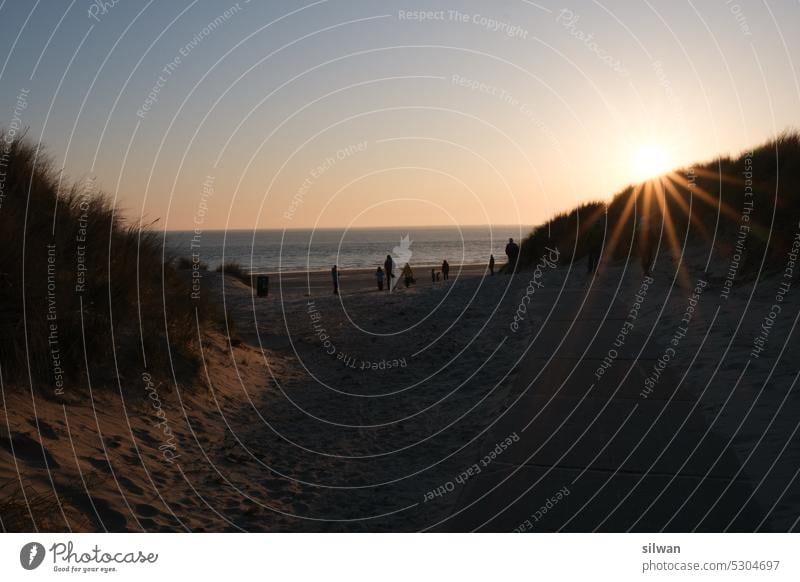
(275, 426)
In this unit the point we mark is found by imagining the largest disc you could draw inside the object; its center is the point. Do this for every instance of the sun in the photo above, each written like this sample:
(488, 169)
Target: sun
(650, 160)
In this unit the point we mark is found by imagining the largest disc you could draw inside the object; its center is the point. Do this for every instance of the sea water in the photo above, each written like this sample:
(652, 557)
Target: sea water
(270, 251)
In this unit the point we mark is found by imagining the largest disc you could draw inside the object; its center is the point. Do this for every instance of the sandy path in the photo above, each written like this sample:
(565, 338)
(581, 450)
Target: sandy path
(393, 386)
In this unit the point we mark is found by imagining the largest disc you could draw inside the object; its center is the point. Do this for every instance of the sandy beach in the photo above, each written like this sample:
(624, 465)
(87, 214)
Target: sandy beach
(320, 283)
(374, 411)
(301, 407)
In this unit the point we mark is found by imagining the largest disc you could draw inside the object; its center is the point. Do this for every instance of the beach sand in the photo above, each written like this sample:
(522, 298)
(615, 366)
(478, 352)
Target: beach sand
(282, 418)
(320, 283)
(374, 411)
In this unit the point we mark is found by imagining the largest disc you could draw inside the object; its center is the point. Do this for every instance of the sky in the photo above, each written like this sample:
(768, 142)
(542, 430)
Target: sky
(333, 113)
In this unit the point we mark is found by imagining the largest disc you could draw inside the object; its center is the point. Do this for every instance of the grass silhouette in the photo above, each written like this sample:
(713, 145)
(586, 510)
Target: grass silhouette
(84, 295)
(234, 269)
(705, 203)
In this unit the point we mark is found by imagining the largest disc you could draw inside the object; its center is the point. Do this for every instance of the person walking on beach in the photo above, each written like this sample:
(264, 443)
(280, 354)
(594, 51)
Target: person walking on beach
(445, 270)
(512, 252)
(591, 261)
(491, 265)
(645, 244)
(388, 268)
(408, 275)
(335, 278)
(433, 275)
(379, 278)
(594, 242)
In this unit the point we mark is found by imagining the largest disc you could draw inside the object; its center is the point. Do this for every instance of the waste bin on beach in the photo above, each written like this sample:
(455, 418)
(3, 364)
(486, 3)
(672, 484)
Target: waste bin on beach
(262, 285)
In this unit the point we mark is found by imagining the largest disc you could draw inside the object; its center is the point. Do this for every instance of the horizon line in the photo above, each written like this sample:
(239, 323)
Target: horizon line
(398, 227)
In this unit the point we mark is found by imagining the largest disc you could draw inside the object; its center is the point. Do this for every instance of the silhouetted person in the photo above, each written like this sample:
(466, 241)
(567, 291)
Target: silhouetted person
(591, 261)
(335, 278)
(512, 252)
(433, 275)
(408, 275)
(388, 267)
(593, 238)
(645, 245)
(491, 265)
(445, 270)
(379, 278)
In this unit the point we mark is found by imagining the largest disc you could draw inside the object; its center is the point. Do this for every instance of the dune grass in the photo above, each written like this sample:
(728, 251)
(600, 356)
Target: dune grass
(704, 203)
(84, 295)
(41, 510)
(187, 264)
(234, 269)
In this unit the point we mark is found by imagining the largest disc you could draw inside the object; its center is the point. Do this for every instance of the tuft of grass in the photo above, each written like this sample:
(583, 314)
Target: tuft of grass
(40, 513)
(187, 264)
(234, 269)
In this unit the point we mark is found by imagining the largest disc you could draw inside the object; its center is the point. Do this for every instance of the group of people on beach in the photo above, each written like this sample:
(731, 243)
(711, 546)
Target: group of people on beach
(384, 275)
(387, 273)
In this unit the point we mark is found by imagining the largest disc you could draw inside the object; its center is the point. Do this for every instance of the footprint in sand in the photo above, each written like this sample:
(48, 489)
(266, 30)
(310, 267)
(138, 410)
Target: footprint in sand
(99, 511)
(45, 429)
(113, 442)
(145, 510)
(100, 464)
(28, 450)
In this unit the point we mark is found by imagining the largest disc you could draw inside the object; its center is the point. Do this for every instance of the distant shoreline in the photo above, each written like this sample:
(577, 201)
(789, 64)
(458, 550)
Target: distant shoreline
(368, 270)
(505, 227)
(363, 280)
(268, 252)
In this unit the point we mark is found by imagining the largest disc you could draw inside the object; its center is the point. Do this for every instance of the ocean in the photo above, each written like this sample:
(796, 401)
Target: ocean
(271, 251)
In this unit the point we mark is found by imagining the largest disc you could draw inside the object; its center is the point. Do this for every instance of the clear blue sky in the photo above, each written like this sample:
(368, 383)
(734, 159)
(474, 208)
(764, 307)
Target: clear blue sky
(335, 112)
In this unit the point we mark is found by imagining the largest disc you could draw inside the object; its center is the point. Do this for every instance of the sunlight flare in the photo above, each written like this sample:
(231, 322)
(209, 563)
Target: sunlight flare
(649, 160)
